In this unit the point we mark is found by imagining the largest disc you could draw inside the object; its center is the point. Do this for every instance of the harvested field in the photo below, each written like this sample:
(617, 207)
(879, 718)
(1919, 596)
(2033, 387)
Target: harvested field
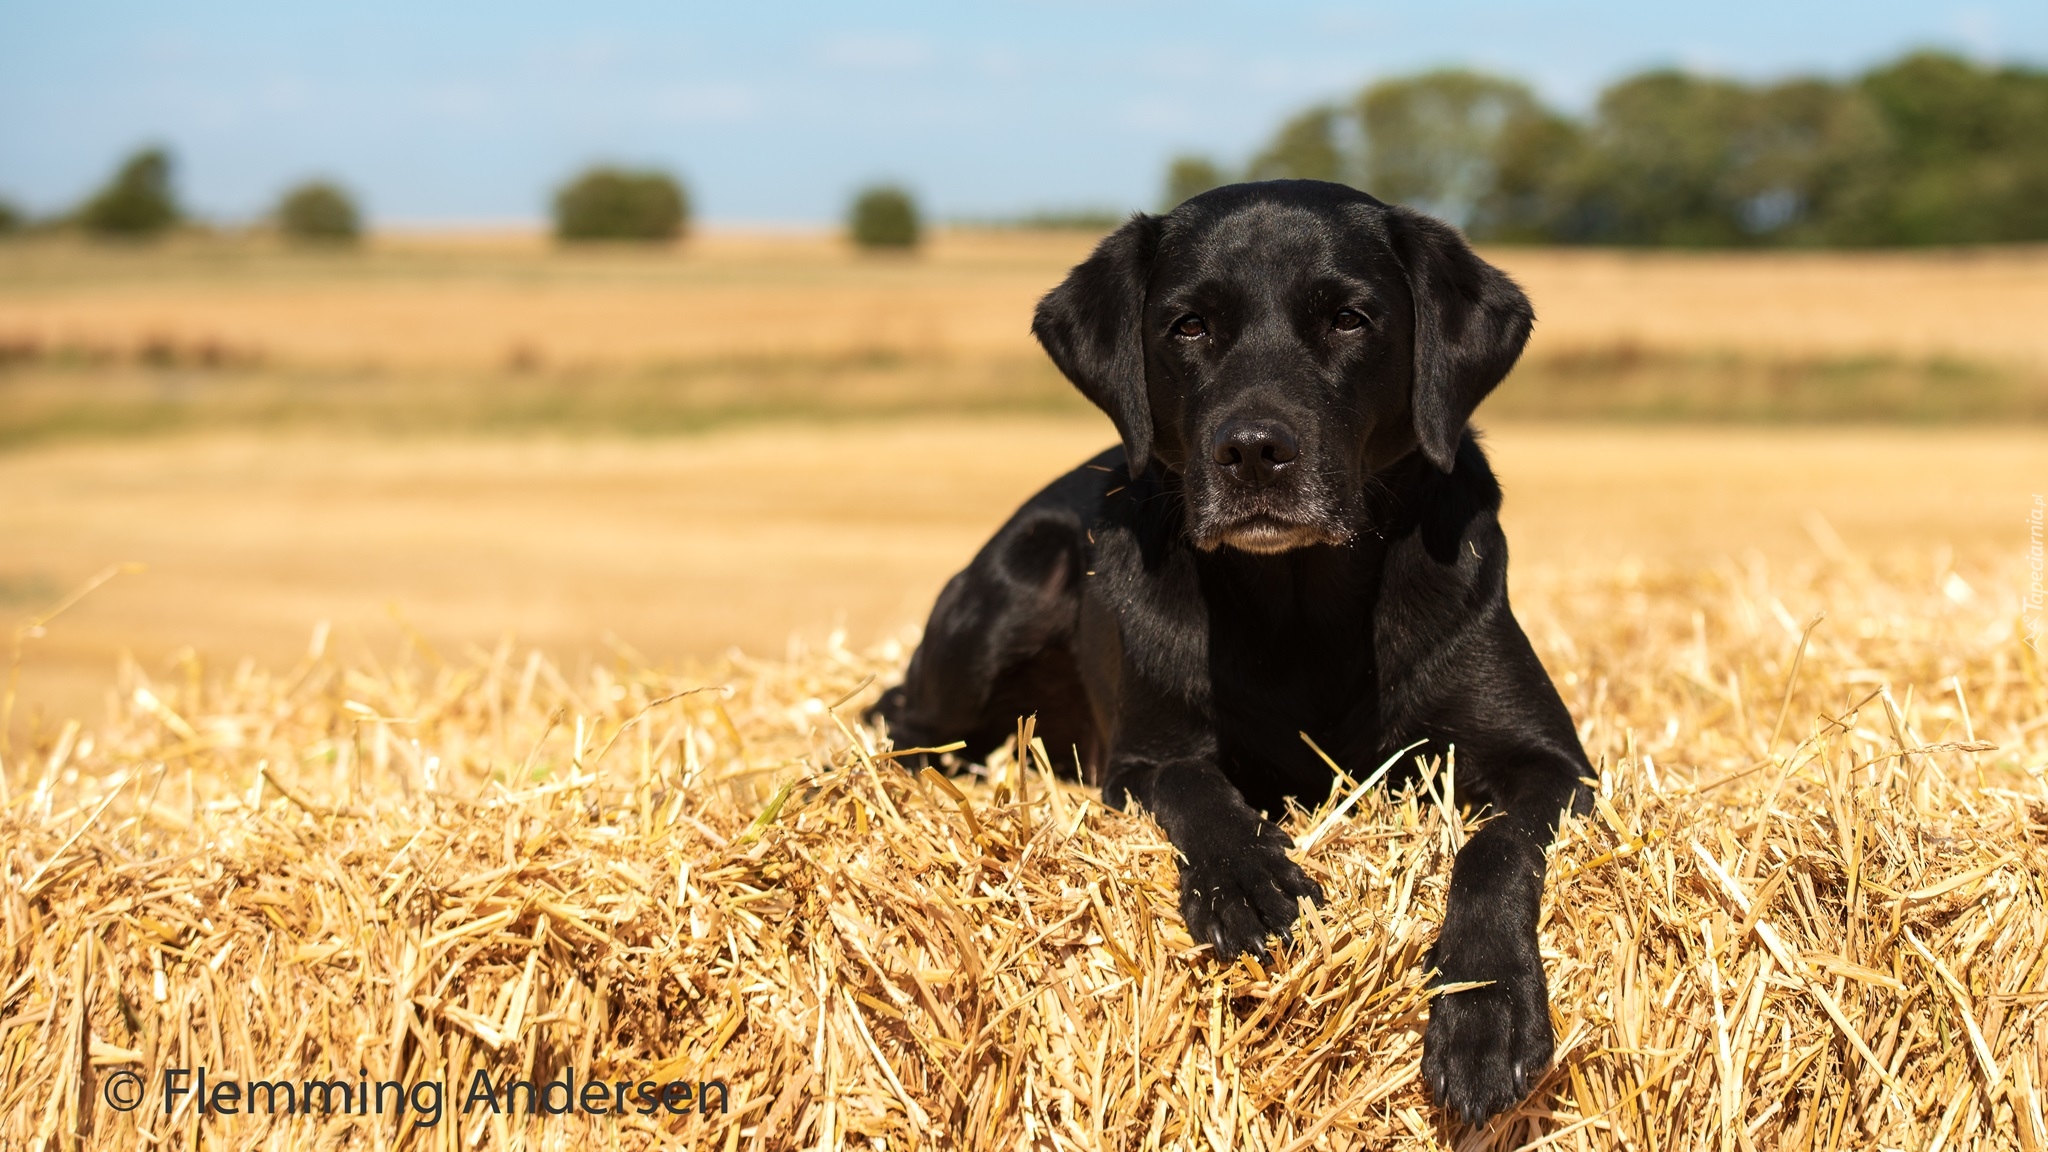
(1807, 914)
(1961, 304)
(682, 547)
(440, 303)
(507, 333)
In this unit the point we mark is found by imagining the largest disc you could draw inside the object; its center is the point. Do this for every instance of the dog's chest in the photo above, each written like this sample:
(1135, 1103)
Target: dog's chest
(1291, 644)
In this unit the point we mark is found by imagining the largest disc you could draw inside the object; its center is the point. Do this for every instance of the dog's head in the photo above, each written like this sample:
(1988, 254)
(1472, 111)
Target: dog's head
(1275, 344)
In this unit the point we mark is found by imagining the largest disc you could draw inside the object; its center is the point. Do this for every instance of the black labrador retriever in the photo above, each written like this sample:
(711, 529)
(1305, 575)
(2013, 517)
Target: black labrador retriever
(1298, 535)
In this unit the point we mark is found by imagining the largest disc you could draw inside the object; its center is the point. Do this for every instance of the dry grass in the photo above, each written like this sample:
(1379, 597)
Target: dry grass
(1807, 914)
(1973, 305)
(502, 333)
(424, 307)
(687, 546)
(439, 303)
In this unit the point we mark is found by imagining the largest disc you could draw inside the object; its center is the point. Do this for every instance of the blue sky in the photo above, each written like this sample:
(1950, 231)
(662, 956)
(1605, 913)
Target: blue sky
(461, 112)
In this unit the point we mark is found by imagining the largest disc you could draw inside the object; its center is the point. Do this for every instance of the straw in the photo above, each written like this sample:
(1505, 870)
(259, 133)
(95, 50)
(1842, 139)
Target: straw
(619, 872)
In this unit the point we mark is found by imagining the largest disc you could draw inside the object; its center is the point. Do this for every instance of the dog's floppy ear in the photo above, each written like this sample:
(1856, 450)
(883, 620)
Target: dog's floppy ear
(1090, 325)
(1470, 324)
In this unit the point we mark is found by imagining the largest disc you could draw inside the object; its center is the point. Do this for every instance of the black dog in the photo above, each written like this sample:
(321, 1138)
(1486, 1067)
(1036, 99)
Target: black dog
(1298, 535)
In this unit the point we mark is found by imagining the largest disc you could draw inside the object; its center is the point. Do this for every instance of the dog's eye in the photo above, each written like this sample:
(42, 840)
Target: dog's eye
(1190, 327)
(1348, 320)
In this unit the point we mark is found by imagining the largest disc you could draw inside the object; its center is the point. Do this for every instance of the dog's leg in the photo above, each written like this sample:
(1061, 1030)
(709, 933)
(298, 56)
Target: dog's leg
(1486, 1047)
(1457, 668)
(1237, 884)
(1519, 762)
(1017, 599)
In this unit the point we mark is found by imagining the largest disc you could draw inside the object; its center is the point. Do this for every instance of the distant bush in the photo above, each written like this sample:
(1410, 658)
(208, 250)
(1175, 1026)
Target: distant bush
(11, 218)
(1189, 176)
(621, 204)
(884, 217)
(319, 212)
(138, 201)
(1071, 219)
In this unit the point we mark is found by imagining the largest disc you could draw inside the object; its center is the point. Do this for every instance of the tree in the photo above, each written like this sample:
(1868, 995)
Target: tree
(1929, 149)
(1535, 157)
(1188, 176)
(1675, 159)
(1305, 148)
(319, 212)
(884, 216)
(621, 204)
(1432, 141)
(1968, 150)
(137, 202)
(10, 218)
(1808, 165)
(1659, 163)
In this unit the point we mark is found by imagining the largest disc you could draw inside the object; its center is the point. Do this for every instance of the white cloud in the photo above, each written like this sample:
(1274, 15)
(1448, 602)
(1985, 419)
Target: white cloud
(460, 100)
(1002, 64)
(284, 93)
(706, 103)
(1977, 28)
(595, 53)
(1159, 114)
(1180, 62)
(875, 52)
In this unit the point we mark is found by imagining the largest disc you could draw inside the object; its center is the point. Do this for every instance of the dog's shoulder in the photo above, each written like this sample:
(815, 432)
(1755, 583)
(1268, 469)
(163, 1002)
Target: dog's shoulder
(1102, 498)
(1082, 492)
(1451, 514)
(1141, 584)
(1446, 565)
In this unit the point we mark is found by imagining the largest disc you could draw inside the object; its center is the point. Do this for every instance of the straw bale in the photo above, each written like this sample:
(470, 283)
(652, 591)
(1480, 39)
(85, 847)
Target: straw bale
(1807, 913)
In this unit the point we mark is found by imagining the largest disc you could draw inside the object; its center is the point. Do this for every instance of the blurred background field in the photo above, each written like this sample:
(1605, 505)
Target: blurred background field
(506, 331)
(761, 436)
(1790, 302)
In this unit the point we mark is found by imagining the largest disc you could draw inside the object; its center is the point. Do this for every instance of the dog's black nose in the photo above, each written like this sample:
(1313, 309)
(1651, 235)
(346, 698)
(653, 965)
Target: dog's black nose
(1254, 451)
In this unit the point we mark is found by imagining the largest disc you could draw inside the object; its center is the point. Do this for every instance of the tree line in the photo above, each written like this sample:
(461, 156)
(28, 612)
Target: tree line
(603, 203)
(1927, 149)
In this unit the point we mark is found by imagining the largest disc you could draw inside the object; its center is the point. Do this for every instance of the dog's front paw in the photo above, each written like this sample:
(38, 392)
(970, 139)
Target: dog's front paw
(1235, 895)
(1486, 1047)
